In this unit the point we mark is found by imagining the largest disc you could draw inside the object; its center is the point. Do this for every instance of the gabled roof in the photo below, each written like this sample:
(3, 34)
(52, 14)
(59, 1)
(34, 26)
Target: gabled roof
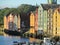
(48, 6)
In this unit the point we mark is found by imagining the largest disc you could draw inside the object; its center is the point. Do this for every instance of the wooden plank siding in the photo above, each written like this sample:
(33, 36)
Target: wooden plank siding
(36, 19)
(32, 23)
(18, 23)
(11, 21)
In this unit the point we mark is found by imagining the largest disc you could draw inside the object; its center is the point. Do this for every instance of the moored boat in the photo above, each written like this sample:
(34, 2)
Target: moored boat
(13, 32)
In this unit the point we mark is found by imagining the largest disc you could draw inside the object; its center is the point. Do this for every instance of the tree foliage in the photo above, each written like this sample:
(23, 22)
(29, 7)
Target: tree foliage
(24, 8)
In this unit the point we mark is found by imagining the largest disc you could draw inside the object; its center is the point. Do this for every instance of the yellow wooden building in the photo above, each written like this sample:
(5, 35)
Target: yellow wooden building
(56, 22)
(32, 23)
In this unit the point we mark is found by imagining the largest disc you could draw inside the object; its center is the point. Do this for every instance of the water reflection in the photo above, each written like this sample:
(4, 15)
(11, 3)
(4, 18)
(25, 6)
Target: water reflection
(8, 40)
(34, 40)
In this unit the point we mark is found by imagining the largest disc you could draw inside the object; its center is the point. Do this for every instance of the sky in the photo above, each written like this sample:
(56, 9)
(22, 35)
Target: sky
(16, 3)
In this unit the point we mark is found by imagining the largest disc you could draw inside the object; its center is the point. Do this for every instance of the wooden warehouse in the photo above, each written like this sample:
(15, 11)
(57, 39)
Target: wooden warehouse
(12, 21)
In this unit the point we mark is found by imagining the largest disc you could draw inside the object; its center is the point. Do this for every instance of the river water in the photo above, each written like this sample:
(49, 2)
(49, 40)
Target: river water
(8, 40)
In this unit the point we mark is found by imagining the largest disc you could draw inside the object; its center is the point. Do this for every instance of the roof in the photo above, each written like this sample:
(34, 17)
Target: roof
(48, 6)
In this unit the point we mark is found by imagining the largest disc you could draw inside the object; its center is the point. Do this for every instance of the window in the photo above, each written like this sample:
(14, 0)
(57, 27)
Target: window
(56, 32)
(56, 13)
(40, 10)
(56, 28)
(56, 17)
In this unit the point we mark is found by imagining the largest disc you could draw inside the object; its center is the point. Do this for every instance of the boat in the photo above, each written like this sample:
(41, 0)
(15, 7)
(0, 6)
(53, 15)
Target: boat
(13, 32)
(18, 32)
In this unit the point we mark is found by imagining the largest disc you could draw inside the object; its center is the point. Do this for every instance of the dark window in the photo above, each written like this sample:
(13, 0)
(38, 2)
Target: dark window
(56, 17)
(56, 13)
(56, 31)
(56, 28)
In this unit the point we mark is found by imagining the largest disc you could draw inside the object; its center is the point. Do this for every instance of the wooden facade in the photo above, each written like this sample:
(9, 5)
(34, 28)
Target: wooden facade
(36, 19)
(5, 22)
(56, 22)
(11, 21)
(32, 23)
(18, 22)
